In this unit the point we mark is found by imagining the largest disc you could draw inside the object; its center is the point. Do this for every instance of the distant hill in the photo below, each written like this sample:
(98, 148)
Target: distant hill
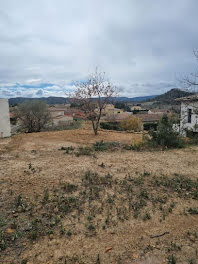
(170, 96)
(62, 100)
(134, 99)
(166, 98)
(49, 100)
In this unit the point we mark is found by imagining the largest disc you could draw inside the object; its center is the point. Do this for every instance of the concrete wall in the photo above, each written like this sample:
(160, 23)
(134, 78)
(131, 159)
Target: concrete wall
(5, 130)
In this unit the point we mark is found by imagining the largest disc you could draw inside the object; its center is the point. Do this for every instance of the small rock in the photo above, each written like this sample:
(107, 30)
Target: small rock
(51, 236)
(191, 237)
(55, 210)
(58, 254)
(15, 215)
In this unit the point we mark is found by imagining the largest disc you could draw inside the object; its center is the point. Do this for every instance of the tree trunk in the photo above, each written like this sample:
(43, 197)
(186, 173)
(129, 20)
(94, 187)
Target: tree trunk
(94, 128)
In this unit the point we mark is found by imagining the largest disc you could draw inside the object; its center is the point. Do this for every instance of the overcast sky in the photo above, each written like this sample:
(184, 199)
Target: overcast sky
(144, 46)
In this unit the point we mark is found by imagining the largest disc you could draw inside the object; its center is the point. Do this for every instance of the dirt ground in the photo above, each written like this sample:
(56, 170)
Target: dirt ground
(31, 165)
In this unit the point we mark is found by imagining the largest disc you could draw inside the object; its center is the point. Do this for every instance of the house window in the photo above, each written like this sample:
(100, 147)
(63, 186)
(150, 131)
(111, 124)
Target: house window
(189, 115)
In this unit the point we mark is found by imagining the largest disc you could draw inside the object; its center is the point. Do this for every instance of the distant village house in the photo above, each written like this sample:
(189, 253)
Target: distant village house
(59, 115)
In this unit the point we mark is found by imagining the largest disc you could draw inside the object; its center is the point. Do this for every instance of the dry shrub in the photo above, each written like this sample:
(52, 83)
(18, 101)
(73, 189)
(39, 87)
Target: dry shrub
(132, 123)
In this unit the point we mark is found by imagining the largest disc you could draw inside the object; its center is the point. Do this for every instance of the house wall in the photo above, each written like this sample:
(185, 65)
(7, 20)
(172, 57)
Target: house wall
(184, 124)
(57, 113)
(64, 119)
(5, 130)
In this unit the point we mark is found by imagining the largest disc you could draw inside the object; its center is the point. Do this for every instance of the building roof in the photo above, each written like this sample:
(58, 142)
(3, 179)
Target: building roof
(189, 98)
(149, 117)
(159, 111)
(117, 117)
(62, 117)
(56, 109)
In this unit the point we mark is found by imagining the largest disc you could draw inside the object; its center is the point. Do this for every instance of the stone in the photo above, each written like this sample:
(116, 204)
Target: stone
(58, 254)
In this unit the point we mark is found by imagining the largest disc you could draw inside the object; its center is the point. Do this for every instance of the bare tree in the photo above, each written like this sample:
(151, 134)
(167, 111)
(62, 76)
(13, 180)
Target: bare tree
(190, 82)
(93, 95)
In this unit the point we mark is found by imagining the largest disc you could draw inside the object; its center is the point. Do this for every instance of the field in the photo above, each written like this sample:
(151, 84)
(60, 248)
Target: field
(63, 202)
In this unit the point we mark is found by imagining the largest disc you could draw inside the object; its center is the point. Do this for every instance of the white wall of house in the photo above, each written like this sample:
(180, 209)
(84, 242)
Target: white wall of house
(5, 130)
(189, 117)
(62, 120)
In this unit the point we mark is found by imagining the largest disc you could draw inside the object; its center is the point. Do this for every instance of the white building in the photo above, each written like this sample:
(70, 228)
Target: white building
(189, 114)
(5, 130)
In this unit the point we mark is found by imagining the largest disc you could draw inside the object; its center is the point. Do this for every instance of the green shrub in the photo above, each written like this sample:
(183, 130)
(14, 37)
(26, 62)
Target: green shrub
(111, 126)
(100, 146)
(103, 146)
(165, 136)
(84, 151)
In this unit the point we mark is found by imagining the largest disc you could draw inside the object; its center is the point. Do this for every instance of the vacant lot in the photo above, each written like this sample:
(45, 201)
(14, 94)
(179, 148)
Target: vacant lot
(112, 206)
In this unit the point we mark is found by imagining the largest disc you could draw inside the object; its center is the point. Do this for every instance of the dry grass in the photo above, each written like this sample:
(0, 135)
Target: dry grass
(42, 192)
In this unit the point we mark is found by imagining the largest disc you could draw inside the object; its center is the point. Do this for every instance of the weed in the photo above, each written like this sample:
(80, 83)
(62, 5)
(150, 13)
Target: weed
(135, 214)
(70, 188)
(104, 146)
(31, 168)
(102, 165)
(191, 261)
(91, 227)
(137, 146)
(146, 217)
(193, 211)
(100, 146)
(2, 222)
(89, 218)
(172, 259)
(84, 151)
(146, 173)
(69, 233)
(68, 150)
(143, 194)
(62, 230)
(46, 196)
(3, 240)
(19, 201)
(24, 261)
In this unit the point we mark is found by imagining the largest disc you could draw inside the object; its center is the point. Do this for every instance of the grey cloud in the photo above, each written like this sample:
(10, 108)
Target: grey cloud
(141, 45)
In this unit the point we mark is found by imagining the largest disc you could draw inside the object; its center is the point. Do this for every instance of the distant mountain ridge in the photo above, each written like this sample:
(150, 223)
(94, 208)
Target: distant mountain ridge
(166, 98)
(170, 96)
(49, 100)
(63, 100)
